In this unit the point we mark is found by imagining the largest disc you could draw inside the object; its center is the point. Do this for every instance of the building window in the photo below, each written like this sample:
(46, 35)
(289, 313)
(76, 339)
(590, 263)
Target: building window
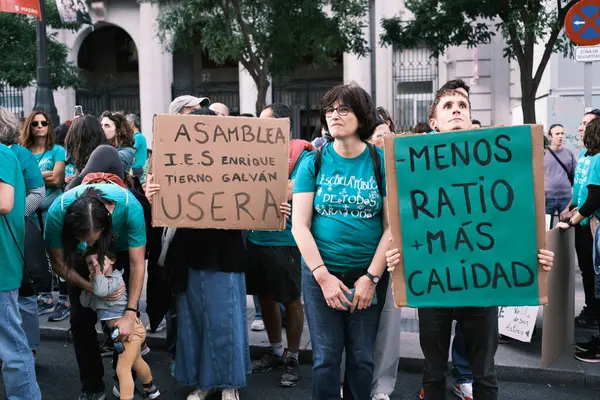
(415, 80)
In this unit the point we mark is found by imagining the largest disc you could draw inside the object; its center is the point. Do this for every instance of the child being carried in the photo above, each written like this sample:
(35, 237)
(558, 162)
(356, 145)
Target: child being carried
(106, 283)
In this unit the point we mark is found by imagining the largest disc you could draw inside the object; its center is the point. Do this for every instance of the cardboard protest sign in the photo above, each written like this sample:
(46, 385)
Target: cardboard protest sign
(466, 210)
(558, 336)
(220, 172)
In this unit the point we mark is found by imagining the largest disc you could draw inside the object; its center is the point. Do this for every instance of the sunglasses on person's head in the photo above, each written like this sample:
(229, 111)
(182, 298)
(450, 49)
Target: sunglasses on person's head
(383, 114)
(35, 124)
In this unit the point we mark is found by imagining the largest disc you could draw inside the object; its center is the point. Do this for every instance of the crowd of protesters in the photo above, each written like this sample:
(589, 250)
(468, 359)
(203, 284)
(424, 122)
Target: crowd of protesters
(90, 187)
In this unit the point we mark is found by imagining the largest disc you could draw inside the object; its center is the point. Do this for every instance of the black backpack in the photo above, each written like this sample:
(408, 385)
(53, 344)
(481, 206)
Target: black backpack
(376, 166)
(37, 273)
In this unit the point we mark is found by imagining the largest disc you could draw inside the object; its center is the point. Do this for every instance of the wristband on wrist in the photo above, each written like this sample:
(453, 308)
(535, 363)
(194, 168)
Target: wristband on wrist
(132, 310)
(569, 222)
(313, 271)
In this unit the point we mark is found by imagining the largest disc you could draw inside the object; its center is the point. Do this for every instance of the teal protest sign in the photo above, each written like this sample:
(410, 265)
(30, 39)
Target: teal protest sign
(462, 209)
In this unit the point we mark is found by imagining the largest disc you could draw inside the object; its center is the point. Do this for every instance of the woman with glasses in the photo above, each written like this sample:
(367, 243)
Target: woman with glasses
(37, 135)
(341, 229)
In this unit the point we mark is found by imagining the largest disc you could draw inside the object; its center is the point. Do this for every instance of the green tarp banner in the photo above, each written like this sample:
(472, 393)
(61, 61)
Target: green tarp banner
(463, 210)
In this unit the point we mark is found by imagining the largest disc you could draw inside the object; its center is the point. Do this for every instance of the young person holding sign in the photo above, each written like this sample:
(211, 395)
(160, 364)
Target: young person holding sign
(342, 231)
(451, 111)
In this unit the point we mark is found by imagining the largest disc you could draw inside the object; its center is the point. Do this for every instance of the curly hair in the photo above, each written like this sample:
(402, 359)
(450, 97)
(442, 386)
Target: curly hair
(124, 133)
(591, 139)
(28, 139)
(9, 127)
(83, 137)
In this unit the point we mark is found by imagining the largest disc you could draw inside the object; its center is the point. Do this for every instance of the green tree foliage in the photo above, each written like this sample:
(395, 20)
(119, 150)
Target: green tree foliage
(268, 37)
(439, 24)
(18, 63)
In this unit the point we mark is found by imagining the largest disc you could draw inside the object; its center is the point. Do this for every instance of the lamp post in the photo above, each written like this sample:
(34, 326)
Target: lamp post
(44, 99)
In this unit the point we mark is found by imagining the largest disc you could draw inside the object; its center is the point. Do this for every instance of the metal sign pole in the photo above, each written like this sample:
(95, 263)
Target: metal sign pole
(587, 86)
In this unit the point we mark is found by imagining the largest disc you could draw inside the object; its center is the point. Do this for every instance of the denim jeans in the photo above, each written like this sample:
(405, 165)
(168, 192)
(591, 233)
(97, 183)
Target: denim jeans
(461, 370)
(28, 308)
(331, 332)
(18, 371)
(556, 206)
(479, 326)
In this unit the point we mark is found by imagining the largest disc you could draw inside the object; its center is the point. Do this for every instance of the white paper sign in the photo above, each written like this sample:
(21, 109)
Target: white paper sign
(517, 322)
(587, 53)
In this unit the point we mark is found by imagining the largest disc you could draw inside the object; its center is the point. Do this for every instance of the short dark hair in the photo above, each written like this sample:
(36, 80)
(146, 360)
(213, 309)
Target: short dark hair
(280, 110)
(455, 84)
(591, 139)
(552, 127)
(595, 112)
(247, 115)
(359, 100)
(203, 111)
(475, 122)
(91, 250)
(444, 93)
(422, 127)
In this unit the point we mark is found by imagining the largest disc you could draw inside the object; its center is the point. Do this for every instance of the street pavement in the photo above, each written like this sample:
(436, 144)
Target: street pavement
(58, 378)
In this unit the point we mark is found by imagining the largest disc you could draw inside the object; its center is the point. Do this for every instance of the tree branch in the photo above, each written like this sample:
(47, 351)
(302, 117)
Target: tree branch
(246, 35)
(512, 31)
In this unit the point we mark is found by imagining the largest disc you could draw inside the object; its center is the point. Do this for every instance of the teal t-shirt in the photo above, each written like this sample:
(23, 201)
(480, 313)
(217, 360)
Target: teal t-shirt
(592, 178)
(141, 150)
(129, 226)
(347, 219)
(31, 173)
(11, 264)
(278, 238)
(579, 181)
(47, 159)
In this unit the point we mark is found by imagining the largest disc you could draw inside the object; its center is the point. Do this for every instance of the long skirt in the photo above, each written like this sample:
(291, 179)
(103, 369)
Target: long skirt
(212, 338)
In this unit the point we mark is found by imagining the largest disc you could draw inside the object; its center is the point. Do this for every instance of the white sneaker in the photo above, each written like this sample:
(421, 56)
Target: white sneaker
(161, 327)
(199, 394)
(230, 394)
(258, 325)
(380, 396)
(464, 391)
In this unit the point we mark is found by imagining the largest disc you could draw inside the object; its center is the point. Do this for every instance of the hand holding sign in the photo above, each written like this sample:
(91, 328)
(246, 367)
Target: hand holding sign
(450, 197)
(220, 172)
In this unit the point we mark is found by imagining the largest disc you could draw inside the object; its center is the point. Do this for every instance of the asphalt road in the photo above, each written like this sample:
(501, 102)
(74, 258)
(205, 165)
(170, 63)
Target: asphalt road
(59, 380)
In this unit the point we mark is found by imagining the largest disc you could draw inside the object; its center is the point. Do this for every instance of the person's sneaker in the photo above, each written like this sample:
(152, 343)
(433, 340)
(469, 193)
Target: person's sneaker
(268, 362)
(91, 396)
(380, 396)
(145, 349)
(422, 394)
(594, 343)
(258, 325)
(151, 393)
(586, 319)
(161, 327)
(230, 394)
(464, 391)
(61, 311)
(291, 373)
(591, 356)
(199, 394)
(44, 307)
(106, 350)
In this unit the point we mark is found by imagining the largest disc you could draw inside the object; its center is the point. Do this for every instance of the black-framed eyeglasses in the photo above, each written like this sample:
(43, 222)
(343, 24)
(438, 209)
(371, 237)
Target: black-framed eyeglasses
(342, 110)
(35, 124)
